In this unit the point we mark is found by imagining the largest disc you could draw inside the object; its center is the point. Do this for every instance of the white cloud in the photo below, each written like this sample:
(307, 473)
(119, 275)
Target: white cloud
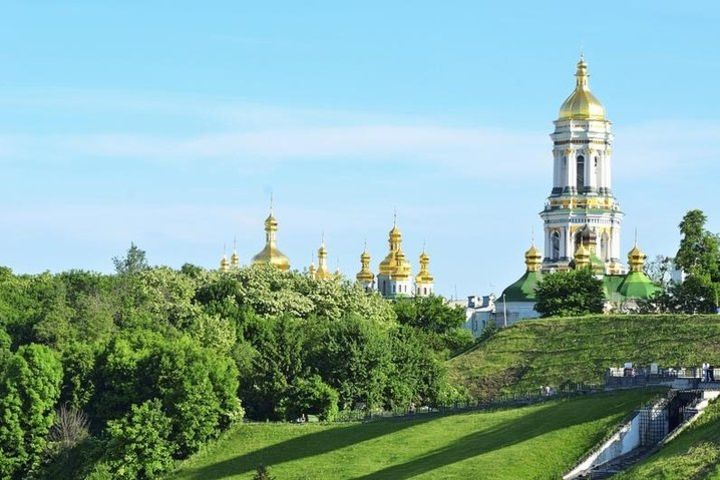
(262, 138)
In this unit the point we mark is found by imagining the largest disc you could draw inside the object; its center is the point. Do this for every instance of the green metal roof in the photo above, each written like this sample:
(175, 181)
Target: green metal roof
(637, 285)
(523, 290)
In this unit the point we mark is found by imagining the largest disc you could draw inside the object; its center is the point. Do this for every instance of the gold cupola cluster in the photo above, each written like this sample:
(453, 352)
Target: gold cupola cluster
(395, 275)
(582, 104)
(269, 255)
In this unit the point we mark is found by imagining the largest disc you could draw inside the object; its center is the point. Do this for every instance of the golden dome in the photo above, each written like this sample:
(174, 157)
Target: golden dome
(365, 275)
(636, 259)
(387, 266)
(582, 104)
(424, 276)
(271, 255)
(224, 266)
(533, 259)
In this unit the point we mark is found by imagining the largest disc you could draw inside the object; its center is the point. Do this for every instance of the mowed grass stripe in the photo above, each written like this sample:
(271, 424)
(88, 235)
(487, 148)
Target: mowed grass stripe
(535, 442)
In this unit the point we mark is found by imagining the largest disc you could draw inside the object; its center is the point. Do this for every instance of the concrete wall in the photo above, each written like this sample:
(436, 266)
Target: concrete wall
(624, 440)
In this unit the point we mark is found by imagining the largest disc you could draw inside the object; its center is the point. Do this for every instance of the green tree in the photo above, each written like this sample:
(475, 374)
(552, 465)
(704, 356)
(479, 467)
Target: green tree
(574, 292)
(442, 323)
(134, 261)
(138, 444)
(354, 356)
(417, 372)
(697, 294)
(280, 360)
(29, 389)
(699, 251)
(197, 388)
(431, 314)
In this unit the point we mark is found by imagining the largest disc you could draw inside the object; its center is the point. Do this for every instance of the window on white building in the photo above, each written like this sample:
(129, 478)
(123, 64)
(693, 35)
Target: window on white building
(580, 173)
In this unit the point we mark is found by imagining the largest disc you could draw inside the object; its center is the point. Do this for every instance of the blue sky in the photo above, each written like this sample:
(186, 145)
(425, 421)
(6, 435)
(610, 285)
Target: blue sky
(168, 124)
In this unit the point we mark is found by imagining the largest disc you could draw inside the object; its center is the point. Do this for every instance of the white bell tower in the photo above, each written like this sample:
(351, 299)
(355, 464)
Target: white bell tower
(582, 183)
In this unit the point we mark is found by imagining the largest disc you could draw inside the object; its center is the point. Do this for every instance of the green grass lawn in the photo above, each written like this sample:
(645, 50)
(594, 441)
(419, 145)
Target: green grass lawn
(694, 454)
(550, 351)
(535, 442)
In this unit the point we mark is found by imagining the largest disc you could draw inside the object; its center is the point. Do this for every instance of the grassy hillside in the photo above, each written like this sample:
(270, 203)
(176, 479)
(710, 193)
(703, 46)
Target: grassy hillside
(551, 351)
(535, 442)
(694, 454)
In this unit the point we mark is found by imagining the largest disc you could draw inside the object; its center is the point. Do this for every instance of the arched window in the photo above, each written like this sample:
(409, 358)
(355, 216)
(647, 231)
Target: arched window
(580, 173)
(555, 245)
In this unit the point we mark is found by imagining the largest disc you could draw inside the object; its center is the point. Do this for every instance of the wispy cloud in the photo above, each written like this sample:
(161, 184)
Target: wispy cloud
(244, 134)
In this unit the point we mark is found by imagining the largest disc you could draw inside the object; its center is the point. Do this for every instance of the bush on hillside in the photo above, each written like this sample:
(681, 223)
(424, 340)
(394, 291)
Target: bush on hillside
(312, 397)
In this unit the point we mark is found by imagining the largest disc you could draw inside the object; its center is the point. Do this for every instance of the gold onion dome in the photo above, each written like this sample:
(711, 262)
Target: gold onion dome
(582, 104)
(636, 259)
(271, 255)
(533, 259)
(365, 275)
(424, 276)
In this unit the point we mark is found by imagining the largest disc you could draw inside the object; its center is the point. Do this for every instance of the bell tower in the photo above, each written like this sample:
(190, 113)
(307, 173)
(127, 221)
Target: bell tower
(581, 195)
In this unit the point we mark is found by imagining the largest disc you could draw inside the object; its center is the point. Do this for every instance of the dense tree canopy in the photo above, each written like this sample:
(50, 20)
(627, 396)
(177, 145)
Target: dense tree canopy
(159, 361)
(569, 293)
